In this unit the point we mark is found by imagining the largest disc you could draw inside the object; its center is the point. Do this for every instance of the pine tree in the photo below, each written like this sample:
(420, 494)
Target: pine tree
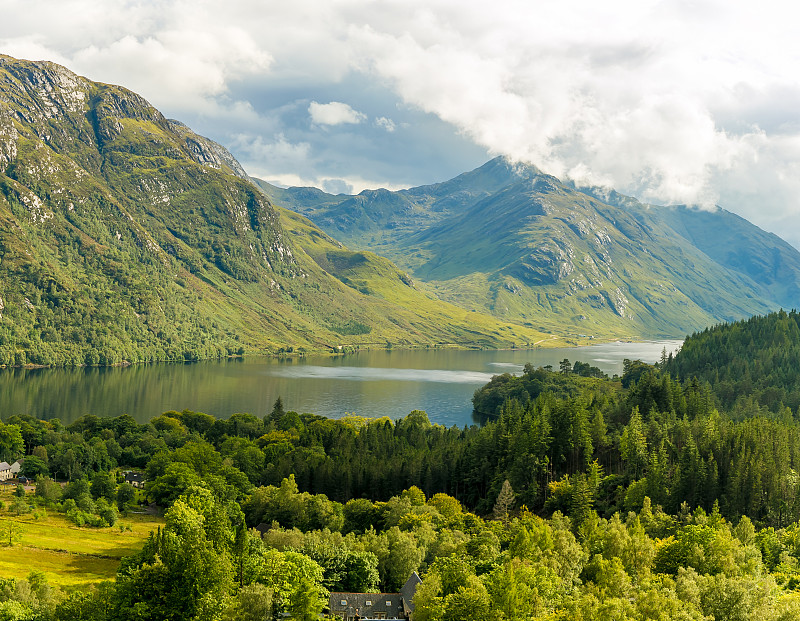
(633, 445)
(505, 500)
(277, 412)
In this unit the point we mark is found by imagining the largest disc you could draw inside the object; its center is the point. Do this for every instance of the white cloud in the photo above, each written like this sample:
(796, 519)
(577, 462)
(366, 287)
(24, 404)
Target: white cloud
(334, 113)
(285, 163)
(349, 185)
(386, 123)
(693, 102)
(31, 47)
(178, 55)
(257, 154)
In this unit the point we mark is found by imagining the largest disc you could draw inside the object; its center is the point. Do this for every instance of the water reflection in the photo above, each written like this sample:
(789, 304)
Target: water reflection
(391, 383)
(366, 374)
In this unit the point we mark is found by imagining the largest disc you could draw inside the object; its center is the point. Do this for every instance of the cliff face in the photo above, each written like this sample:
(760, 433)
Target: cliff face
(126, 236)
(75, 116)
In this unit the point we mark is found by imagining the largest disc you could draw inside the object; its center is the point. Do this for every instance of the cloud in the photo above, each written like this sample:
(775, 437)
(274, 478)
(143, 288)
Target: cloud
(334, 113)
(690, 102)
(666, 101)
(178, 56)
(278, 153)
(387, 124)
(337, 186)
(286, 163)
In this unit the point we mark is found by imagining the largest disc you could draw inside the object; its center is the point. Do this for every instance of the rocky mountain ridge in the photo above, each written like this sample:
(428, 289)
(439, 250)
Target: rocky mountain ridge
(513, 241)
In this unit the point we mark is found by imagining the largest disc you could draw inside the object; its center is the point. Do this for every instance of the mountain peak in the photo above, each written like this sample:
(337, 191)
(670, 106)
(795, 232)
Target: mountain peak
(503, 165)
(508, 239)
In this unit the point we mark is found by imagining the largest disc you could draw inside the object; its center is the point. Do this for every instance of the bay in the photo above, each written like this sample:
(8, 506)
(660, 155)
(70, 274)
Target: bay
(375, 383)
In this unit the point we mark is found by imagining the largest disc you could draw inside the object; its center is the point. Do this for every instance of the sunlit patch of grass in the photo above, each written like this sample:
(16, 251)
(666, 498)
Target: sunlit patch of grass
(61, 568)
(68, 555)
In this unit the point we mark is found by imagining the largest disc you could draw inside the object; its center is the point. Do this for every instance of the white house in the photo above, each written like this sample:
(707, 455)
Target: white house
(5, 471)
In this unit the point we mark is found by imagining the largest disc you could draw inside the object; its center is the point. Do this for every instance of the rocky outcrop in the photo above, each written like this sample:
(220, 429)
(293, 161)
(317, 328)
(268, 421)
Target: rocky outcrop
(546, 265)
(8, 138)
(207, 152)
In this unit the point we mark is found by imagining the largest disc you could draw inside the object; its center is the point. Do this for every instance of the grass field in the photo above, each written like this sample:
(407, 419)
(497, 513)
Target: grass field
(69, 556)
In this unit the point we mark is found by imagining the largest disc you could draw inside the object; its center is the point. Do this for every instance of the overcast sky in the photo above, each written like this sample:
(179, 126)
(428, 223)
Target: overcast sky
(672, 102)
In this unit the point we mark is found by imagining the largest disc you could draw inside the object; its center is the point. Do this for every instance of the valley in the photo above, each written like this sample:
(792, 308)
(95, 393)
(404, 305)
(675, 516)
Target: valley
(412, 311)
(127, 238)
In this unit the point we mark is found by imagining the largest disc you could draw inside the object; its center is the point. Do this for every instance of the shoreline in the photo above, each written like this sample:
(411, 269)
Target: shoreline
(552, 342)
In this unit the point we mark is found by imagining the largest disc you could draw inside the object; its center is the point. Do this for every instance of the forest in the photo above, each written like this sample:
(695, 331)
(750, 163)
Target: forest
(670, 492)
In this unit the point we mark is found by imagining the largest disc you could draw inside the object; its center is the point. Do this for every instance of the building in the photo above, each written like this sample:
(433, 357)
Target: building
(362, 606)
(134, 478)
(5, 471)
(16, 467)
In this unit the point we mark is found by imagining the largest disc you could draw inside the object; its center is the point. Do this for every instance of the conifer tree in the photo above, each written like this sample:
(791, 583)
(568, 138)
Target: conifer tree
(505, 500)
(277, 412)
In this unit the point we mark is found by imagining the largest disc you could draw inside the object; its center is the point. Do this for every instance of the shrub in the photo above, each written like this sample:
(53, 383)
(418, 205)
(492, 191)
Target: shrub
(68, 505)
(107, 512)
(126, 496)
(76, 516)
(85, 503)
(47, 489)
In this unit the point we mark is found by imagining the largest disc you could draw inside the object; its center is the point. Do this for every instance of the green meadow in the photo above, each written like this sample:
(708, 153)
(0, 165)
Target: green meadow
(68, 555)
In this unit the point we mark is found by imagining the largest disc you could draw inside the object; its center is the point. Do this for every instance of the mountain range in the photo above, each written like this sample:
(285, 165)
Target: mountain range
(125, 236)
(512, 241)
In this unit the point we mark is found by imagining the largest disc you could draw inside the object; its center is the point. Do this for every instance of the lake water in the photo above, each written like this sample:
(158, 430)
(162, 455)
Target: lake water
(378, 383)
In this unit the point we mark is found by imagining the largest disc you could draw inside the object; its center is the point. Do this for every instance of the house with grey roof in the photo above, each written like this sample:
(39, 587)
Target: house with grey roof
(134, 478)
(5, 471)
(364, 606)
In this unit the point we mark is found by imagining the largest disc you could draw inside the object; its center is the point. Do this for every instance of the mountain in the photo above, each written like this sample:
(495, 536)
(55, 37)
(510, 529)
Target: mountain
(512, 241)
(124, 236)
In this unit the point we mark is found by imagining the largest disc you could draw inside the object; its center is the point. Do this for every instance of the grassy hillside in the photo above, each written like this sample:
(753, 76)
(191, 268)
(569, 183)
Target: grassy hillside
(380, 279)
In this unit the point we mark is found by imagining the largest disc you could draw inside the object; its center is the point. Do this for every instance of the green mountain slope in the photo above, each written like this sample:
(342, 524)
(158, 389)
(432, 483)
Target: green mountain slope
(736, 244)
(124, 236)
(521, 245)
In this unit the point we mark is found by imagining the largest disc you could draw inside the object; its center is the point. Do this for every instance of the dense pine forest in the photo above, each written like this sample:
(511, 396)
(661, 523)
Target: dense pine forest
(670, 492)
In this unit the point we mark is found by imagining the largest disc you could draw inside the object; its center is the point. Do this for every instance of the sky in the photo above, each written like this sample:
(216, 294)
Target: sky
(677, 102)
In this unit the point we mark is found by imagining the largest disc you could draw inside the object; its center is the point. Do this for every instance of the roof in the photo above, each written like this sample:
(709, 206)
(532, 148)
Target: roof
(408, 590)
(368, 604)
(371, 594)
(4, 465)
(395, 605)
